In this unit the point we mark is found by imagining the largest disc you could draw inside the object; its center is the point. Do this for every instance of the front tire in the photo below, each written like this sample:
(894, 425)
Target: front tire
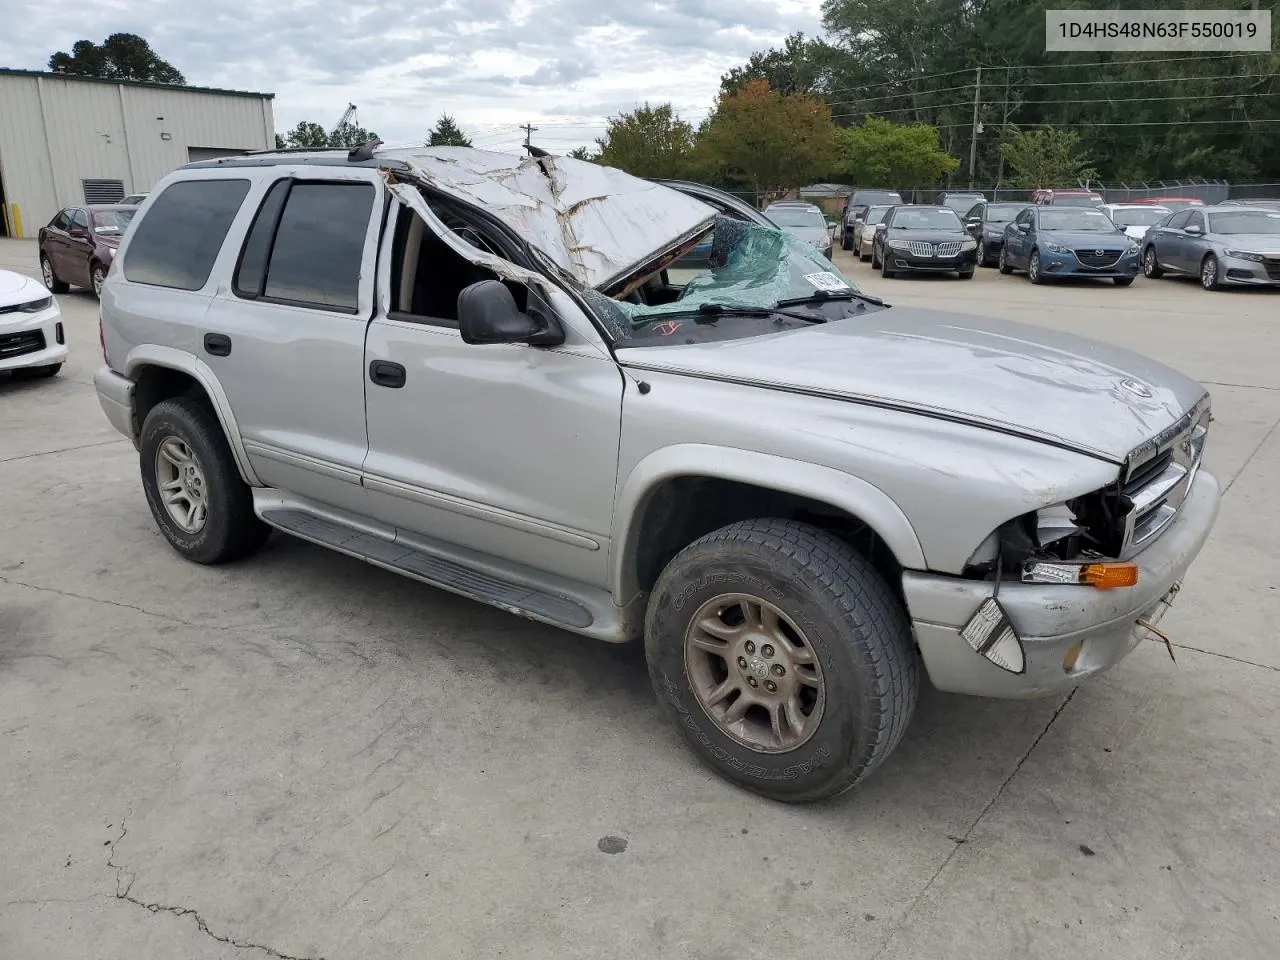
(1209, 278)
(1003, 262)
(781, 605)
(1150, 266)
(196, 495)
(984, 260)
(845, 242)
(965, 274)
(1033, 268)
(1122, 281)
(875, 259)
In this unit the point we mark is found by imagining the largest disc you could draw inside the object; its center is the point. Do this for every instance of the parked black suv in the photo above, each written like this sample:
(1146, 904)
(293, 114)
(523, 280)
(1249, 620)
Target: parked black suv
(927, 239)
(855, 209)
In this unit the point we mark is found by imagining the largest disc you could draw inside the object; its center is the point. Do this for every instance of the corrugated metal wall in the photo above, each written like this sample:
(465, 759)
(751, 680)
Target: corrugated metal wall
(56, 132)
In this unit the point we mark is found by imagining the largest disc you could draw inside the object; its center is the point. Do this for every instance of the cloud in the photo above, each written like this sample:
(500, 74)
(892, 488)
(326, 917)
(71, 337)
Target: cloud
(564, 65)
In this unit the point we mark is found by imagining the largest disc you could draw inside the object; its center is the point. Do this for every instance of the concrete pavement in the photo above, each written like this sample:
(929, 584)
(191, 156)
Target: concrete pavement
(302, 756)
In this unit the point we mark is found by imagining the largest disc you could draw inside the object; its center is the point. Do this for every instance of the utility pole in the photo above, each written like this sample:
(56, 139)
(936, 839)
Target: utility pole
(528, 129)
(973, 138)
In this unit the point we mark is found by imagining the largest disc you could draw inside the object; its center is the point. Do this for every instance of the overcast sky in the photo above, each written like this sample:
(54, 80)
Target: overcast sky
(562, 64)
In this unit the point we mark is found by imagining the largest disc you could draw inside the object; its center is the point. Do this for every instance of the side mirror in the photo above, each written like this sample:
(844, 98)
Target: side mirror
(974, 221)
(487, 313)
(882, 228)
(1022, 227)
(78, 232)
(1194, 228)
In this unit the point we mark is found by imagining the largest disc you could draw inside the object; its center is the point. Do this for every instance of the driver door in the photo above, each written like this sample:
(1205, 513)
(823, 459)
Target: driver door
(1016, 241)
(1192, 246)
(1167, 240)
(509, 450)
(79, 249)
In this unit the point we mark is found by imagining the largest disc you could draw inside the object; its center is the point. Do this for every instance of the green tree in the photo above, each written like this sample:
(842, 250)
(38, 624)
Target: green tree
(880, 153)
(350, 135)
(1046, 157)
(447, 134)
(309, 135)
(582, 153)
(648, 142)
(122, 56)
(767, 141)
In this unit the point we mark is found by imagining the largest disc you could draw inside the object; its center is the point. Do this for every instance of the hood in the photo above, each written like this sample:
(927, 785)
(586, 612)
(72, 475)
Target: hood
(1086, 239)
(16, 288)
(1036, 383)
(597, 223)
(1253, 242)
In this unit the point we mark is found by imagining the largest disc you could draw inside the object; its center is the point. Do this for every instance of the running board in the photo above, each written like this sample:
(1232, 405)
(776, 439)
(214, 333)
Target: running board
(433, 569)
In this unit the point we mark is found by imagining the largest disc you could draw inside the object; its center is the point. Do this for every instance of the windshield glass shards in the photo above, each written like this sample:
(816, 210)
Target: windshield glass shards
(757, 279)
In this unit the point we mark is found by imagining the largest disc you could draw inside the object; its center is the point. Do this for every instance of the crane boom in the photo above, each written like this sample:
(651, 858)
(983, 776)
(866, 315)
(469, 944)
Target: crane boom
(349, 116)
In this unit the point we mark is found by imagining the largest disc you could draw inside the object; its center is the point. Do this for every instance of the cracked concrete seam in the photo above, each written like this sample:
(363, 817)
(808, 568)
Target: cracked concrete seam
(958, 842)
(124, 895)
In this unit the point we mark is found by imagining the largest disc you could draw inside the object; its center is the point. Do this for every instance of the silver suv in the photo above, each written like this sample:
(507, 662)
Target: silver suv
(476, 370)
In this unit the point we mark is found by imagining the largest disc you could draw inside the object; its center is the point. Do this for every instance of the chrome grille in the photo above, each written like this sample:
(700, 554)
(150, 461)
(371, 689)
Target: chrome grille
(920, 248)
(16, 344)
(949, 248)
(1158, 478)
(1272, 265)
(1098, 259)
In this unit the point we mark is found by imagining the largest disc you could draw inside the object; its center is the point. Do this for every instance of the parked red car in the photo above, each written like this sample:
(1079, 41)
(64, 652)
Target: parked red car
(1067, 198)
(78, 245)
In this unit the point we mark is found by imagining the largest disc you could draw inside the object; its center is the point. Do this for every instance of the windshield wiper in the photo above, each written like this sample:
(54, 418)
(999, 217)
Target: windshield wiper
(820, 296)
(711, 312)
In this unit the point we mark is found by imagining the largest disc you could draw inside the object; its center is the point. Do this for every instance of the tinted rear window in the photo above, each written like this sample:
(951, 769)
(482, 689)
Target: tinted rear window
(177, 241)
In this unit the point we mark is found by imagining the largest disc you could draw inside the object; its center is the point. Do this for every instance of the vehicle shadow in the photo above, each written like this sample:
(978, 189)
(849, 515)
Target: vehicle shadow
(956, 747)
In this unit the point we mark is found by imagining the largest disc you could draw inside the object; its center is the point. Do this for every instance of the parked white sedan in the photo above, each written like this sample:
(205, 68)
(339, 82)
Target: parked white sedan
(1135, 218)
(31, 335)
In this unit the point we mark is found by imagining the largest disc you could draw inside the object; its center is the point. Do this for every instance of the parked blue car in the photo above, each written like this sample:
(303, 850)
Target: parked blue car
(1049, 242)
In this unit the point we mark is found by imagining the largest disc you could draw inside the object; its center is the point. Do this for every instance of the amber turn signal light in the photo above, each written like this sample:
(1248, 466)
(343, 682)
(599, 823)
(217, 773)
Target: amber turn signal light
(1107, 576)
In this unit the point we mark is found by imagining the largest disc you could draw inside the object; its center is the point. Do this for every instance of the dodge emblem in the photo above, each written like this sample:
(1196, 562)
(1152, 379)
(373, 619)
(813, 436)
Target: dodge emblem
(1136, 387)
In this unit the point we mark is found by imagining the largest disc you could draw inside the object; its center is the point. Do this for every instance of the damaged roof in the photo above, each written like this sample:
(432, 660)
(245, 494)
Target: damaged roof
(596, 222)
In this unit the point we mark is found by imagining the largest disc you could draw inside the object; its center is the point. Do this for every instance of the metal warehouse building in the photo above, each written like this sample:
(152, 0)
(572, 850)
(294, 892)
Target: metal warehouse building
(66, 140)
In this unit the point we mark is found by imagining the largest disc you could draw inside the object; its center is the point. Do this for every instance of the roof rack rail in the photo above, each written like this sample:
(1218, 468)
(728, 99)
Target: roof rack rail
(254, 153)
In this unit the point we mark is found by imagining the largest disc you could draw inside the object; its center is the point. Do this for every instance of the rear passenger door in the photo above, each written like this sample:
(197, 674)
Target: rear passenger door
(285, 334)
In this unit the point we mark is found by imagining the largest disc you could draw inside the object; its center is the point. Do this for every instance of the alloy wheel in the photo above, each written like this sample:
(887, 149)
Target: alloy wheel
(182, 486)
(1209, 273)
(46, 272)
(98, 279)
(754, 673)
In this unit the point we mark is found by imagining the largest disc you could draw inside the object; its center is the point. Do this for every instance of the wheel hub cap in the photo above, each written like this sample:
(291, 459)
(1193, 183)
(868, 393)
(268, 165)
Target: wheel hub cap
(754, 673)
(181, 483)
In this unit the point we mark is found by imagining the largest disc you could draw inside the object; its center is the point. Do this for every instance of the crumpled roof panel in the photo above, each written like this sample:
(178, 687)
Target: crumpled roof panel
(596, 222)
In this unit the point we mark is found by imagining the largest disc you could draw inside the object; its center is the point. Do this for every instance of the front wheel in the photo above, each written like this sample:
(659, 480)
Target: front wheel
(1122, 281)
(1033, 268)
(50, 279)
(196, 495)
(965, 274)
(1209, 273)
(982, 254)
(845, 242)
(784, 658)
(1003, 262)
(875, 259)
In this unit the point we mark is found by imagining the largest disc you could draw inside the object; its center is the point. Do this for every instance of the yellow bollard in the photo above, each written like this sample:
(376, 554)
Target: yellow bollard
(17, 221)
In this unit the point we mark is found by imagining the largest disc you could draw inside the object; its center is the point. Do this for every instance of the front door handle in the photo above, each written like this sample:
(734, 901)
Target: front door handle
(387, 374)
(217, 344)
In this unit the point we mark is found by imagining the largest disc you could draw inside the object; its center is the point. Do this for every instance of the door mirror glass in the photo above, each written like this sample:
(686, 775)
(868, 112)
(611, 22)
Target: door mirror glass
(1194, 228)
(79, 232)
(1022, 227)
(487, 313)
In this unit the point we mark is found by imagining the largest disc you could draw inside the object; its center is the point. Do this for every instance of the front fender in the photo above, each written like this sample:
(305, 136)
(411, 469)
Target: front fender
(840, 490)
(172, 359)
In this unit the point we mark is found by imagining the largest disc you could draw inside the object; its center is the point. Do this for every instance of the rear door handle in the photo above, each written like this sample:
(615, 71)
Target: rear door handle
(387, 374)
(217, 344)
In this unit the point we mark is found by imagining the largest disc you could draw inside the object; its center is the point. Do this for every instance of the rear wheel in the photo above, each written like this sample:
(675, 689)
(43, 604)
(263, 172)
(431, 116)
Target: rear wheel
(200, 503)
(1209, 278)
(97, 277)
(50, 279)
(1150, 267)
(783, 657)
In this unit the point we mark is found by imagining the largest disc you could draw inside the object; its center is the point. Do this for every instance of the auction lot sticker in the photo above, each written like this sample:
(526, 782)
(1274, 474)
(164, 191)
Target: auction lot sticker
(826, 281)
(1157, 30)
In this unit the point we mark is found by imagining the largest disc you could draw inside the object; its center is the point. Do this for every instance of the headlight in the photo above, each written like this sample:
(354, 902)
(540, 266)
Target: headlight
(1132, 247)
(969, 245)
(1054, 247)
(896, 244)
(1245, 255)
(35, 306)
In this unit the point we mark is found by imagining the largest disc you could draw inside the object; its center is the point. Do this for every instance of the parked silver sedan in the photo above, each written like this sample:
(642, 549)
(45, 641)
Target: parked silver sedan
(1222, 245)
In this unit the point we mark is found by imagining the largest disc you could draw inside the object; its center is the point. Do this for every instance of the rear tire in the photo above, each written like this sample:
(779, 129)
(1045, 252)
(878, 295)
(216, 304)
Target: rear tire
(845, 645)
(184, 439)
(97, 277)
(50, 278)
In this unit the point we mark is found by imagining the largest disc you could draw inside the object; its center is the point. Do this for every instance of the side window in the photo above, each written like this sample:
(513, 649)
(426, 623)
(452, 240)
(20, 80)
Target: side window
(976, 212)
(176, 242)
(1179, 220)
(1024, 217)
(62, 221)
(79, 219)
(1196, 220)
(307, 244)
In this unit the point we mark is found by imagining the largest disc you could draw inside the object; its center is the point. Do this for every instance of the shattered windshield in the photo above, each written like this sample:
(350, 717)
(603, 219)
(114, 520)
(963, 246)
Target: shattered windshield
(751, 272)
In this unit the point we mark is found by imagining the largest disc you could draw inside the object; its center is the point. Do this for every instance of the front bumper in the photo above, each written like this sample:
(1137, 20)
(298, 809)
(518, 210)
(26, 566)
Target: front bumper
(1050, 619)
(1249, 272)
(32, 339)
(904, 260)
(1066, 265)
